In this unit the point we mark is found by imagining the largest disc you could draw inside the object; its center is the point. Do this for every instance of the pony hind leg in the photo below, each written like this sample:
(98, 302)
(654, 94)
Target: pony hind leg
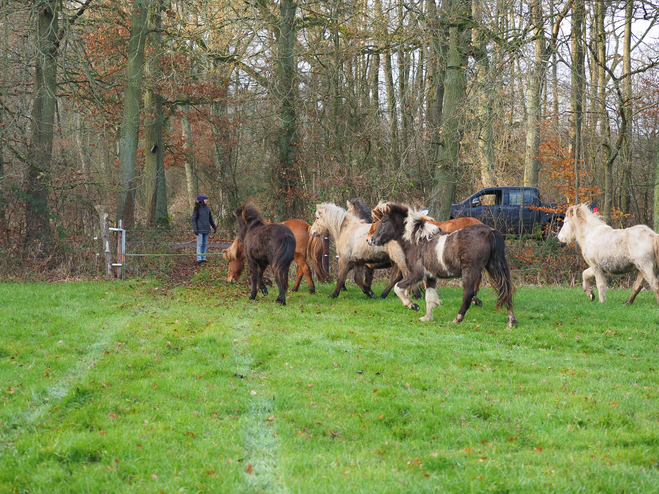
(477, 284)
(303, 270)
(467, 296)
(256, 280)
(648, 274)
(281, 279)
(638, 284)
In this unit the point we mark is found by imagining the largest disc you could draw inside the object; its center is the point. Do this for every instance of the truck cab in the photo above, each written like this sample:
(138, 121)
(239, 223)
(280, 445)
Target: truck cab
(511, 210)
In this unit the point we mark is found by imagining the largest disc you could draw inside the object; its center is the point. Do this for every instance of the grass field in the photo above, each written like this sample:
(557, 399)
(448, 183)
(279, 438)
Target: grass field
(141, 386)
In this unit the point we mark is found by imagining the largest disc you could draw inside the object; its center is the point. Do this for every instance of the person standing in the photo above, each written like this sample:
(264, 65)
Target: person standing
(202, 222)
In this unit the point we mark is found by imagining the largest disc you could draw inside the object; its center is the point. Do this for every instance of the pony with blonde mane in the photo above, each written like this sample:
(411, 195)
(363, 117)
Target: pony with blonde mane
(349, 233)
(609, 250)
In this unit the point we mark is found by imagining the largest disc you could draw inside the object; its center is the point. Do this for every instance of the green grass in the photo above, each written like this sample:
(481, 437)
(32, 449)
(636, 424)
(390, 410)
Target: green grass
(139, 386)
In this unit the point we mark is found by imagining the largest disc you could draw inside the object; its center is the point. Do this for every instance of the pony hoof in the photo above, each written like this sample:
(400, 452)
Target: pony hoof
(384, 295)
(370, 294)
(477, 302)
(332, 296)
(281, 302)
(264, 291)
(252, 297)
(425, 319)
(590, 296)
(312, 291)
(414, 307)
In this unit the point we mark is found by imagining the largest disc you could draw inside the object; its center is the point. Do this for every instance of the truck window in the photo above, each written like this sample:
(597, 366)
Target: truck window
(517, 197)
(491, 199)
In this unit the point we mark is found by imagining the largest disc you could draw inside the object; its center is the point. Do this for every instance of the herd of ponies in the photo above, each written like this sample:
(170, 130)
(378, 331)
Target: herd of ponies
(420, 250)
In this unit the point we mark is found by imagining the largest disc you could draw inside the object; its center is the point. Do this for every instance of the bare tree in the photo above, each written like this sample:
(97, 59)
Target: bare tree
(131, 114)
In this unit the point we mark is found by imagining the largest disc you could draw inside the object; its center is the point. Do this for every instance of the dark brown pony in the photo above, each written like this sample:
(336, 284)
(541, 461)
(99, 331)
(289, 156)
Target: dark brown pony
(431, 253)
(265, 244)
(398, 257)
(308, 251)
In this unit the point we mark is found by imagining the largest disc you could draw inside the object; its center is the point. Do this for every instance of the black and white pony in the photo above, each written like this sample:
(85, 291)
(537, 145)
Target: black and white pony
(432, 253)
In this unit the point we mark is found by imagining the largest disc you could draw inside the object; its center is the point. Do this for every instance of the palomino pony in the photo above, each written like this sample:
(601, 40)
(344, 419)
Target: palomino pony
(364, 274)
(607, 250)
(398, 257)
(349, 234)
(265, 244)
(308, 251)
(431, 253)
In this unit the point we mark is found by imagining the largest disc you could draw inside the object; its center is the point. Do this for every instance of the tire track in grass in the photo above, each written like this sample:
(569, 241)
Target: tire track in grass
(261, 443)
(59, 390)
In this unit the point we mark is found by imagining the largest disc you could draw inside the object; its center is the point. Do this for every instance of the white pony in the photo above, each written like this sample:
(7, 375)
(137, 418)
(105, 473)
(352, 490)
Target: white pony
(349, 233)
(607, 250)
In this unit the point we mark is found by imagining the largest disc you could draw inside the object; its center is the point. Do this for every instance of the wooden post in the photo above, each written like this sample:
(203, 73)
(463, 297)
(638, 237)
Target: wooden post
(105, 239)
(326, 251)
(120, 253)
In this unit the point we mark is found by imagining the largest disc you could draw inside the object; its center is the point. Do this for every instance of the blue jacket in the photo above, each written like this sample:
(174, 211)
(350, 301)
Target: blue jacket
(202, 220)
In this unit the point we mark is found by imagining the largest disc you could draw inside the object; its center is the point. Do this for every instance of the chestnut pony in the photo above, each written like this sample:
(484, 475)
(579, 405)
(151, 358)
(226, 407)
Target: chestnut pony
(308, 256)
(265, 244)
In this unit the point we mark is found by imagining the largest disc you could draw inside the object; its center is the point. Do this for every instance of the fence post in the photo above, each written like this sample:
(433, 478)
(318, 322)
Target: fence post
(105, 239)
(120, 253)
(326, 248)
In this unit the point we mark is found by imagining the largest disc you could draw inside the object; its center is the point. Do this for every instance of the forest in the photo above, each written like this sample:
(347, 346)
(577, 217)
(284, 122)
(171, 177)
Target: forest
(136, 106)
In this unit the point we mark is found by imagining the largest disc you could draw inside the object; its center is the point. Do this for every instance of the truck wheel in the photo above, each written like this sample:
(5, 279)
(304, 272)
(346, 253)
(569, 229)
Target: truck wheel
(551, 228)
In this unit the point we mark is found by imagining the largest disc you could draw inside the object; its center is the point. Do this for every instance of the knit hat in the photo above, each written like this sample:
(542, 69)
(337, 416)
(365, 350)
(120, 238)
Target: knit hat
(201, 198)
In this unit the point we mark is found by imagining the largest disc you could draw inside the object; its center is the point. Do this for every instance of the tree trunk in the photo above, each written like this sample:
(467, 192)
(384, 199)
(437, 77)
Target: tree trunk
(191, 176)
(577, 93)
(40, 149)
(534, 92)
(486, 91)
(446, 176)
(287, 173)
(154, 163)
(626, 151)
(131, 114)
(603, 116)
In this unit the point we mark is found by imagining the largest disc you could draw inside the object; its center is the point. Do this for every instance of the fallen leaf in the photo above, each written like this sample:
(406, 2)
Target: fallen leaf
(249, 468)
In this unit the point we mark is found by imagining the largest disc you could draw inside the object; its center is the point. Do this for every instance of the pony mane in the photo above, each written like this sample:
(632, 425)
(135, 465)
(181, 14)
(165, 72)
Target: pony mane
(359, 209)
(418, 227)
(334, 213)
(232, 252)
(251, 214)
(378, 211)
(583, 214)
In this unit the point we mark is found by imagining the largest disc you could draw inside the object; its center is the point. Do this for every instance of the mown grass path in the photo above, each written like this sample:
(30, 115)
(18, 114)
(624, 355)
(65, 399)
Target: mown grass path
(140, 386)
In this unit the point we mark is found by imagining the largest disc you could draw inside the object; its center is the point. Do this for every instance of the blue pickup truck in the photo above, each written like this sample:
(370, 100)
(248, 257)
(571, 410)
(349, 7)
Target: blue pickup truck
(511, 210)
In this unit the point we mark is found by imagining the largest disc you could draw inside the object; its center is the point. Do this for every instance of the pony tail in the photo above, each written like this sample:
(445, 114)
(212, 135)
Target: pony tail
(498, 271)
(314, 256)
(282, 261)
